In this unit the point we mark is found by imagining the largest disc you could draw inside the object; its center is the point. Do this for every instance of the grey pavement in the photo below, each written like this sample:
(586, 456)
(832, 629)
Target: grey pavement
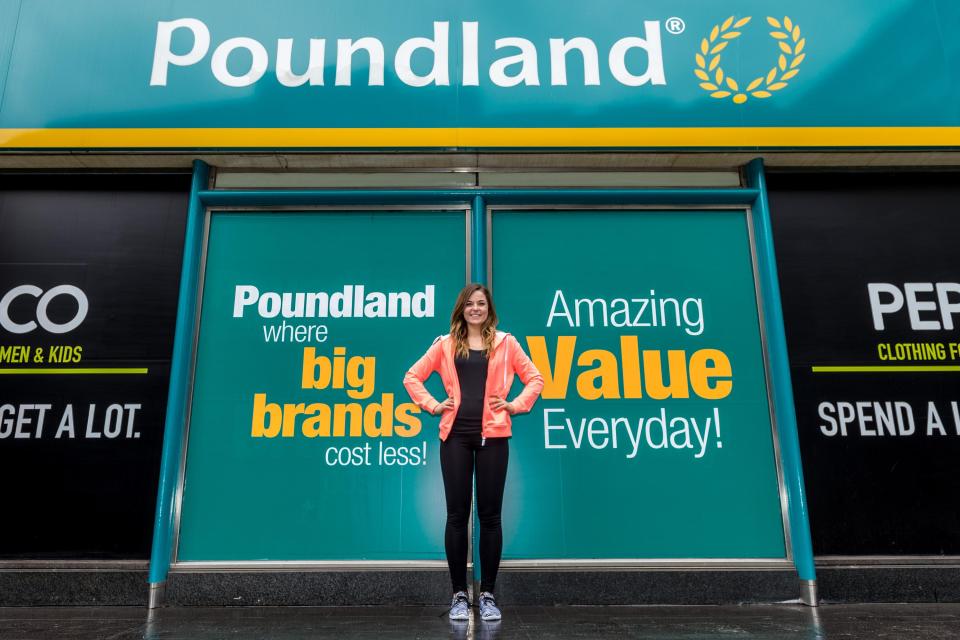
(780, 621)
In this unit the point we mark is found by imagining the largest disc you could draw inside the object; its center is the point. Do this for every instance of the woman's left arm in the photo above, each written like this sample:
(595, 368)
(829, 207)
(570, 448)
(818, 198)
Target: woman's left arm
(529, 375)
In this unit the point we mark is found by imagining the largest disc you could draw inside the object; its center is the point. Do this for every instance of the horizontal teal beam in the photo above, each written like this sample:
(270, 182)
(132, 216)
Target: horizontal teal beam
(270, 198)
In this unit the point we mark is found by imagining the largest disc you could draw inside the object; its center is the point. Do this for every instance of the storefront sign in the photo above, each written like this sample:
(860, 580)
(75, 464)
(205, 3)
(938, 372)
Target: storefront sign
(654, 426)
(88, 294)
(871, 295)
(653, 436)
(303, 443)
(478, 74)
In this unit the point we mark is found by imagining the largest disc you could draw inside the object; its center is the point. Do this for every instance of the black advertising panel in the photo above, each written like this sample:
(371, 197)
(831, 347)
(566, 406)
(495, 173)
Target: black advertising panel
(870, 276)
(89, 275)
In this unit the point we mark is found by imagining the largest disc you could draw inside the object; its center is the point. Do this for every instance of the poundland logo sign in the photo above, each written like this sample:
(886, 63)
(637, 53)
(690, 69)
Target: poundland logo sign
(517, 63)
(480, 74)
(633, 60)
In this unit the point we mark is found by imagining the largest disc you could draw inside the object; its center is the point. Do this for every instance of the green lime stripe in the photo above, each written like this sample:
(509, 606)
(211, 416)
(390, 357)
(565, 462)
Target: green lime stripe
(115, 371)
(885, 369)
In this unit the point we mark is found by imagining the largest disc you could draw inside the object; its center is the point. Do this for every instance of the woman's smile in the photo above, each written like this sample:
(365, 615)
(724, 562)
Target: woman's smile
(475, 310)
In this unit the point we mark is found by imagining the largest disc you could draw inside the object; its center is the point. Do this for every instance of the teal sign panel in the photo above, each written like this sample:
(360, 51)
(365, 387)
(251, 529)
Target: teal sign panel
(303, 444)
(472, 73)
(653, 436)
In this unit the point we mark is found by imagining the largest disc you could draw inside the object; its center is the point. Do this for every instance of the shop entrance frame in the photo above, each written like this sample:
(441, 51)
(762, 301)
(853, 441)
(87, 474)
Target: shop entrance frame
(753, 198)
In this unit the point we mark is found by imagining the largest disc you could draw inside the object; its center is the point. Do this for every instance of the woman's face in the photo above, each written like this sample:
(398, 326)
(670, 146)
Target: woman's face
(475, 311)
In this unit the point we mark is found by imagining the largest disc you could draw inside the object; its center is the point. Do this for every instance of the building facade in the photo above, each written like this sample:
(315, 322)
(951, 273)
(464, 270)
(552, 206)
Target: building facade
(725, 236)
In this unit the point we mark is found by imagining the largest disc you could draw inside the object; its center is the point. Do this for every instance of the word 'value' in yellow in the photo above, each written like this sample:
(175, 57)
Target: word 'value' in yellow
(706, 373)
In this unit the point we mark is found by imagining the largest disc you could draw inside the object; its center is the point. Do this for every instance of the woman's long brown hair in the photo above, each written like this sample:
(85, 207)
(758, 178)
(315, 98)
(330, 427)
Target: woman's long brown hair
(458, 326)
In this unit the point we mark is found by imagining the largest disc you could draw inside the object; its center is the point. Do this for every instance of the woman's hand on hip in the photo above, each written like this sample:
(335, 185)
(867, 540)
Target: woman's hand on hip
(496, 402)
(446, 405)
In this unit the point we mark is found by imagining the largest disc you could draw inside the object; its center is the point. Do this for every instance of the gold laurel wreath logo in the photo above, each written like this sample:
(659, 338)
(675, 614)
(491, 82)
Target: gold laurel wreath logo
(721, 86)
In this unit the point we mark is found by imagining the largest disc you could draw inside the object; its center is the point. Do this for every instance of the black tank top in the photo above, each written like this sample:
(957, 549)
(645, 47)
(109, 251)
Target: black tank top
(472, 373)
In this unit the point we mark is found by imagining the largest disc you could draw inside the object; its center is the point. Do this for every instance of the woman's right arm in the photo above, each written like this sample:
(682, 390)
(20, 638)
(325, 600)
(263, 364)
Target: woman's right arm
(420, 371)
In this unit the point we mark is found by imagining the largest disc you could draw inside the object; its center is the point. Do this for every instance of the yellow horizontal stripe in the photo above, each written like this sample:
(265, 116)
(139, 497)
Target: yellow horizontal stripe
(885, 369)
(114, 371)
(488, 137)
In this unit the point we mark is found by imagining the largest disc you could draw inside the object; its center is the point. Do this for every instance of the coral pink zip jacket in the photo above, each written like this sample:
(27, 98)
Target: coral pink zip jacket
(506, 359)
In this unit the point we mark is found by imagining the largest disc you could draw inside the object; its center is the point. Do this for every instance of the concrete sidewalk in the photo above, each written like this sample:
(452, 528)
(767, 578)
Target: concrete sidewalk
(781, 622)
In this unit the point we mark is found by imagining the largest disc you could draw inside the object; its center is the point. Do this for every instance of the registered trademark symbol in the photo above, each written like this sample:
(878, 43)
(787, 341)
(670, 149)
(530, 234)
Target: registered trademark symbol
(675, 25)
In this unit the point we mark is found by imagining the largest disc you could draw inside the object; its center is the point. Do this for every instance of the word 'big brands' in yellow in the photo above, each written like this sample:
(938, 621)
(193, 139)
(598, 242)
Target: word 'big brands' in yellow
(357, 376)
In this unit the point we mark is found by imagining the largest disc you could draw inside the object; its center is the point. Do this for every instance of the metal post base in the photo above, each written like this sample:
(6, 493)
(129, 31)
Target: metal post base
(808, 593)
(156, 594)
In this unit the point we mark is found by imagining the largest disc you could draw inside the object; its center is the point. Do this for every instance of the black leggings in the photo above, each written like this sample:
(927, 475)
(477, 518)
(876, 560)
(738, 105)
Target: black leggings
(459, 454)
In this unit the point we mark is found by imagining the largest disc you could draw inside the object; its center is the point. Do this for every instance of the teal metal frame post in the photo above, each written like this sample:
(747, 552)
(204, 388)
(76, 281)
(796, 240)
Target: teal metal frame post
(478, 273)
(782, 387)
(173, 428)
(478, 240)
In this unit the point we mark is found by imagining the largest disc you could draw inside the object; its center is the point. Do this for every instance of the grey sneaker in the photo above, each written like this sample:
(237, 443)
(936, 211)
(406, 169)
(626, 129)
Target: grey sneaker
(460, 606)
(488, 607)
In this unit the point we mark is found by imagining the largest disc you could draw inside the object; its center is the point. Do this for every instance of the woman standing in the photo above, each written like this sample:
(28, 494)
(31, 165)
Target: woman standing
(476, 364)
